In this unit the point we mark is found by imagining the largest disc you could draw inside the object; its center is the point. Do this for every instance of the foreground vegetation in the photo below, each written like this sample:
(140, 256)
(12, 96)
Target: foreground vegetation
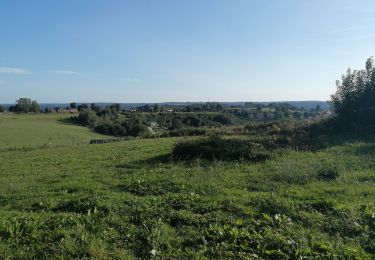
(128, 199)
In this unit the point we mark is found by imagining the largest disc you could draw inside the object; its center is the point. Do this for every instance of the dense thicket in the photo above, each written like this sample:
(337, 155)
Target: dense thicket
(354, 100)
(111, 123)
(217, 148)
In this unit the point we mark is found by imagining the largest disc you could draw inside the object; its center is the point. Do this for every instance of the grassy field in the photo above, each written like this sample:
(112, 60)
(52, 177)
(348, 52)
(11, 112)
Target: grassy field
(126, 200)
(41, 130)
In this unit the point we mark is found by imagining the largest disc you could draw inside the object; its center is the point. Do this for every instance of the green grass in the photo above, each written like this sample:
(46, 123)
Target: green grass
(126, 200)
(41, 130)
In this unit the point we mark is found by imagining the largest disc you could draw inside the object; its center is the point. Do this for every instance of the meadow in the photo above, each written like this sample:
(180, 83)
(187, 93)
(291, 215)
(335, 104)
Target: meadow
(32, 130)
(130, 200)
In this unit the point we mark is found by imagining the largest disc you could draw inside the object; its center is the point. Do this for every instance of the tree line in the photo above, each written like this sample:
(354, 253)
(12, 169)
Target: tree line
(353, 103)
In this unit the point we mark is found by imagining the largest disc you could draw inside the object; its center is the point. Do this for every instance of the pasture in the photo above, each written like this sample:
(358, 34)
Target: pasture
(32, 130)
(129, 200)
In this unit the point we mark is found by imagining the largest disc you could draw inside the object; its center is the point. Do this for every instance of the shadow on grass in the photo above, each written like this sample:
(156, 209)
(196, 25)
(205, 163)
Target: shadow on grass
(321, 141)
(68, 121)
(368, 149)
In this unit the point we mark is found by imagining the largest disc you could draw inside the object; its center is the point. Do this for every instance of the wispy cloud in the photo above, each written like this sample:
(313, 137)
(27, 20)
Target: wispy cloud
(64, 72)
(11, 70)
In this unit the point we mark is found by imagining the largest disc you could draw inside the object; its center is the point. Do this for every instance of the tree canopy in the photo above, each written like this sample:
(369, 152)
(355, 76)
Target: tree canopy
(26, 105)
(354, 100)
(73, 105)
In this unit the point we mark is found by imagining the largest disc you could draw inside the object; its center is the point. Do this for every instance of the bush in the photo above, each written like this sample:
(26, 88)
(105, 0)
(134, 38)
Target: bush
(216, 148)
(140, 130)
(47, 110)
(88, 118)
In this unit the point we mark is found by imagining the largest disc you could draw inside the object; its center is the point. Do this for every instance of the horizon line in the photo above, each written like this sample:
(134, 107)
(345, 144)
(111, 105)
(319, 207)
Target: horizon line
(164, 102)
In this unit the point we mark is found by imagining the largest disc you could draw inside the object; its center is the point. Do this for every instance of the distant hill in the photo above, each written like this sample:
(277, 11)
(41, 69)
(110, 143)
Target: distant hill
(300, 104)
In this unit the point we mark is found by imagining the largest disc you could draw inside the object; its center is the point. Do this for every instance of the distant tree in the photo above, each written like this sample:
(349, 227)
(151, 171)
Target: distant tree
(47, 110)
(35, 107)
(279, 114)
(222, 119)
(82, 107)
(354, 100)
(57, 109)
(265, 115)
(212, 106)
(146, 108)
(115, 108)
(176, 124)
(157, 108)
(73, 105)
(2, 109)
(192, 121)
(95, 108)
(25, 105)
(248, 104)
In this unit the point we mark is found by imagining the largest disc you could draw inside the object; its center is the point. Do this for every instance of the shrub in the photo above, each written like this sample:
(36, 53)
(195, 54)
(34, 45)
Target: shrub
(47, 110)
(140, 130)
(216, 148)
(87, 118)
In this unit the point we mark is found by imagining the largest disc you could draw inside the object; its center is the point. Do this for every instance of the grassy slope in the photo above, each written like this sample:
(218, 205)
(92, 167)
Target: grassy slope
(33, 130)
(122, 200)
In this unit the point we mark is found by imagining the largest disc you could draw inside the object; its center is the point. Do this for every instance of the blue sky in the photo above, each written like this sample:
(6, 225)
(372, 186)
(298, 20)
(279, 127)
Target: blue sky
(175, 50)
